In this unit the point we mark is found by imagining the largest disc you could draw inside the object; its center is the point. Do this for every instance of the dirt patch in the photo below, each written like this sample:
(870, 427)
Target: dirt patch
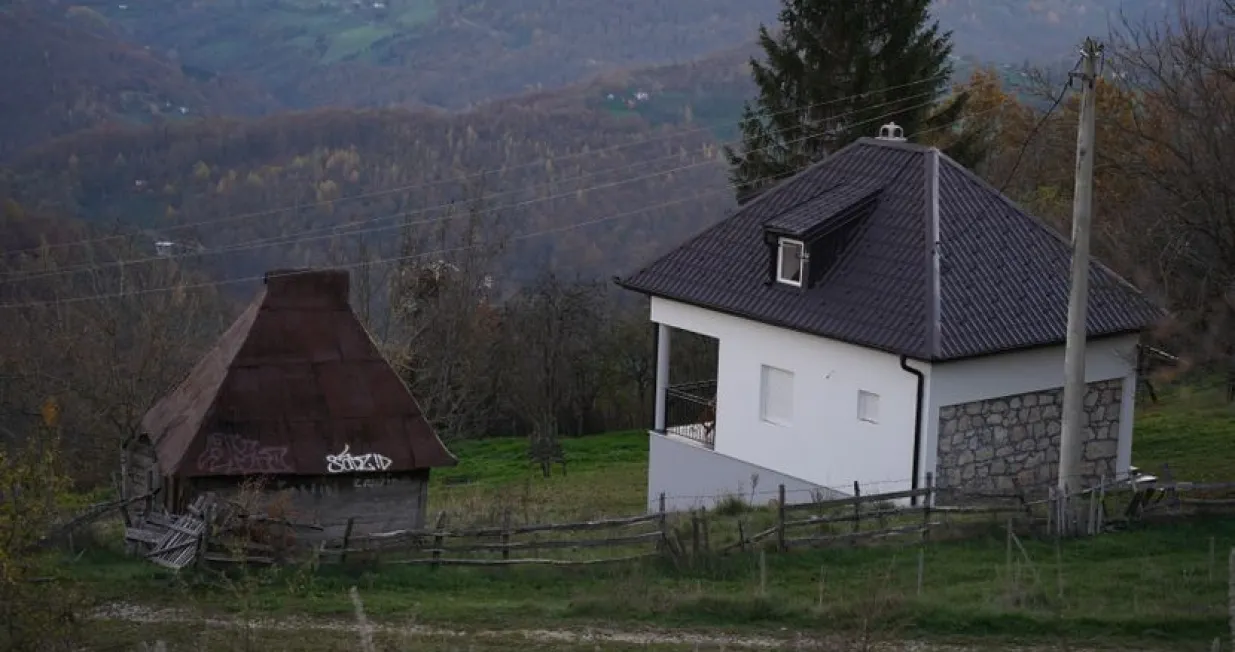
(788, 641)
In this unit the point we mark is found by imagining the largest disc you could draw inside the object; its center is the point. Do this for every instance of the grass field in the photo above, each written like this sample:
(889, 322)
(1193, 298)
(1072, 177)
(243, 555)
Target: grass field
(1151, 586)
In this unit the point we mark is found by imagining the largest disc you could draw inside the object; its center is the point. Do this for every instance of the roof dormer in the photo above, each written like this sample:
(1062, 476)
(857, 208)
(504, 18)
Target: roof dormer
(807, 238)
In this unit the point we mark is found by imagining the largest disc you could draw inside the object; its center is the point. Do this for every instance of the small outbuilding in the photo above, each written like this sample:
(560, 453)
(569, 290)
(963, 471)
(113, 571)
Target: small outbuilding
(297, 393)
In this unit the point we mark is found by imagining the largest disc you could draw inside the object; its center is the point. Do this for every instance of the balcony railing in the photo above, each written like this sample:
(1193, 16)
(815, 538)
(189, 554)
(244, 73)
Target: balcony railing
(690, 412)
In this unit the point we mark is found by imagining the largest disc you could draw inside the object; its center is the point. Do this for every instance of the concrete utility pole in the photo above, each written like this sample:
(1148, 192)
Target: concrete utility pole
(1072, 437)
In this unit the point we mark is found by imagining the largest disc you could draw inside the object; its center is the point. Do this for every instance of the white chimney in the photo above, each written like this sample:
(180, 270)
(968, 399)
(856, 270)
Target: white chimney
(892, 131)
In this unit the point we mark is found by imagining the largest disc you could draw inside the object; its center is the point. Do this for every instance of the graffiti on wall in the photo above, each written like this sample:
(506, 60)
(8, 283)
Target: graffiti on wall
(345, 462)
(233, 454)
(368, 483)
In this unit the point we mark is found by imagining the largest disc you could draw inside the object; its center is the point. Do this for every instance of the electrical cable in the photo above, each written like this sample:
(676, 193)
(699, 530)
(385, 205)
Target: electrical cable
(394, 259)
(475, 175)
(350, 228)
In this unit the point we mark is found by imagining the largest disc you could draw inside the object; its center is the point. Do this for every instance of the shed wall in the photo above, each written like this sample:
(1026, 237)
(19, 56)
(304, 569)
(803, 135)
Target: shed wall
(378, 502)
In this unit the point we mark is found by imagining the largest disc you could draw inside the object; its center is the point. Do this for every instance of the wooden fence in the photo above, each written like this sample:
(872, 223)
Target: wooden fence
(911, 515)
(872, 516)
(502, 545)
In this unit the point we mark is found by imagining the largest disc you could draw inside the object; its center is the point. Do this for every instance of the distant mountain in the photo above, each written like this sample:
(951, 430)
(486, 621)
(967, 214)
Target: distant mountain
(707, 93)
(453, 53)
(1010, 31)
(67, 72)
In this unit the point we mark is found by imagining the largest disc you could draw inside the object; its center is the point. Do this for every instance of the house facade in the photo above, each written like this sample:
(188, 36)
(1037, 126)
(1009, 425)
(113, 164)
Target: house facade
(883, 315)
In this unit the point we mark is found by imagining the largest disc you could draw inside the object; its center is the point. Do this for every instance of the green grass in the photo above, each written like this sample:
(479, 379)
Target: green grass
(1149, 585)
(1191, 430)
(354, 41)
(1145, 586)
(605, 475)
(418, 14)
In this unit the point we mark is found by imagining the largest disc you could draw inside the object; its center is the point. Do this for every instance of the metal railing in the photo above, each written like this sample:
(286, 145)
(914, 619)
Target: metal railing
(690, 412)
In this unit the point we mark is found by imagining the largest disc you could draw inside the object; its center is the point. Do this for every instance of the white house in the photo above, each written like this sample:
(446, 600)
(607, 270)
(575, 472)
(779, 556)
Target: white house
(882, 315)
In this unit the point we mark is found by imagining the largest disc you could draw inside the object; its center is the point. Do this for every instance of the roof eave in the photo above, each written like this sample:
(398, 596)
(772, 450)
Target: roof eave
(1041, 345)
(913, 355)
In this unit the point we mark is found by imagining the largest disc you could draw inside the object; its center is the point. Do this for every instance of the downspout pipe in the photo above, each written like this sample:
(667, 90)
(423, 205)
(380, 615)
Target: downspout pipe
(917, 424)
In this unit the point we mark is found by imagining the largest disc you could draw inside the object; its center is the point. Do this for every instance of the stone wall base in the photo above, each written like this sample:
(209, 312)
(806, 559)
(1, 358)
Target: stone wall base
(1011, 443)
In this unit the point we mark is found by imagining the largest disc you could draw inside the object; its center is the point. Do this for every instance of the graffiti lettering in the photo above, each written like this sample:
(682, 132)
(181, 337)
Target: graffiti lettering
(233, 454)
(345, 462)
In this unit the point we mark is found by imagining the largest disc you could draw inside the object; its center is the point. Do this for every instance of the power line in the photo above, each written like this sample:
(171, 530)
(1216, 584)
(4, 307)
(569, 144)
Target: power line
(395, 259)
(421, 254)
(1041, 121)
(480, 174)
(297, 238)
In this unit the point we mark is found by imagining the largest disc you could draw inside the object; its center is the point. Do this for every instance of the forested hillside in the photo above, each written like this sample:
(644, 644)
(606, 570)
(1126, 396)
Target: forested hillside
(621, 189)
(76, 66)
(452, 53)
(447, 53)
(62, 74)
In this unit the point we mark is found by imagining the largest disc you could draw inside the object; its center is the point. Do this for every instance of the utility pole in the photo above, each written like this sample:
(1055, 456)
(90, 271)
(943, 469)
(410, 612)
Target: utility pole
(1072, 435)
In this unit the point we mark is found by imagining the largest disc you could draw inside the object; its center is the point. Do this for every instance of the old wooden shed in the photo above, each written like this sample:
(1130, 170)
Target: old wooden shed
(296, 392)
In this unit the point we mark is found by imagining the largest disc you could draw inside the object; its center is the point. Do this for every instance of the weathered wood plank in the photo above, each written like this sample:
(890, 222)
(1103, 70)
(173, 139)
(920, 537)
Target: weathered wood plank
(855, 500)
(869, 534)
(612, 542)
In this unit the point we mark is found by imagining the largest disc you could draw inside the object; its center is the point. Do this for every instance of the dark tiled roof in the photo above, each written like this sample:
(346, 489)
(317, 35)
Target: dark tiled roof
(296, 378)
(818, 213)
(1003, 277)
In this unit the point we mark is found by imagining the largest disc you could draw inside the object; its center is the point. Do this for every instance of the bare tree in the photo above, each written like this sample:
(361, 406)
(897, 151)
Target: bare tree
(550, 356)
(104, 339)
(445, 326)
(1178, 147)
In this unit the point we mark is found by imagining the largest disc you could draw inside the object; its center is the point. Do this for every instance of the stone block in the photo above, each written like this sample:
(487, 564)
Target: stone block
(1003, 442)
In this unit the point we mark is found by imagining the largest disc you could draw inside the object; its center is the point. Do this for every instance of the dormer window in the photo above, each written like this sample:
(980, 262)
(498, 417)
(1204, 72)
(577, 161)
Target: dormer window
(790, 262)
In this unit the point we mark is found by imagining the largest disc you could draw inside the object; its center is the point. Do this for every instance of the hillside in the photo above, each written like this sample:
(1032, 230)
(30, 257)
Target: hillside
(447, 53)
(62, 74)
(618, 189)
(708, 92)
(454, 53)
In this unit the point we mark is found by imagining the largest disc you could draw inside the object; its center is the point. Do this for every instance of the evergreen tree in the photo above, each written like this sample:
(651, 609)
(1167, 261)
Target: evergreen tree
(837, 71)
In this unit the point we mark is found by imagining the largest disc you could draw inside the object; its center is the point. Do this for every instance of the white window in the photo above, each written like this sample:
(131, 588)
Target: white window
(868, 406)
(776, 397)
(790, 261)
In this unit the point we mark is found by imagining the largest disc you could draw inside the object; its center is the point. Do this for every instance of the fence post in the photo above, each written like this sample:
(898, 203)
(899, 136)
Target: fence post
(1102, 504)
(741, 536)
(347, 538)
(707, 534)
(1050, 510)
(506, 533)
(921, 568)
(663, 544)
(694, 535)
(857, 507)
(780, 519)
(203, 541)
(439, 529)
